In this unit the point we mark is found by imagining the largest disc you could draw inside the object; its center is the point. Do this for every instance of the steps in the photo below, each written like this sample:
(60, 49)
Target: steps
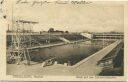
(63, 39)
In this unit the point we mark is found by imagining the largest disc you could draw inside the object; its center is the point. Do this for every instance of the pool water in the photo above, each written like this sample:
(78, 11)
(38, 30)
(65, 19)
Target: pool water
(72, 53)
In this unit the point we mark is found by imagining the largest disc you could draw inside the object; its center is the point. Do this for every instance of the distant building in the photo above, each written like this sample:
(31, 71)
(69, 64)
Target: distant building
(108, 35)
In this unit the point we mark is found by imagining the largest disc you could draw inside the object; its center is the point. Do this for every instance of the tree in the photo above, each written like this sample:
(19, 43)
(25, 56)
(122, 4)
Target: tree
(66, 32)
(51, 30)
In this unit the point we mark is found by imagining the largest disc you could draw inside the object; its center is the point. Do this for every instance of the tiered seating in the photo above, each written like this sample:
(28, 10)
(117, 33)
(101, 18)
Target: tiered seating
(46, 39)
(37, 40)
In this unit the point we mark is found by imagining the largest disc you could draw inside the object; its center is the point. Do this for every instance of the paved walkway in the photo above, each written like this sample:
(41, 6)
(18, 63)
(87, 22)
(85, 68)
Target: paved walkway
(89, 65)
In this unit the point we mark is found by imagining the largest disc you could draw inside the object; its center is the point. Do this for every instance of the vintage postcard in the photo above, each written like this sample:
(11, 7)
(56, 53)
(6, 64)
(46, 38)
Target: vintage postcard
(63, 40)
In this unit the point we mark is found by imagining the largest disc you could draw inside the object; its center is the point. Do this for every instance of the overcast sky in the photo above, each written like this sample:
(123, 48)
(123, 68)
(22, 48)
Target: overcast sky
(76, 18)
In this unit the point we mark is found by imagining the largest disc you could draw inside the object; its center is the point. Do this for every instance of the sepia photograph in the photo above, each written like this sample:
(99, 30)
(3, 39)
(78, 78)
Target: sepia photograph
(65, 38)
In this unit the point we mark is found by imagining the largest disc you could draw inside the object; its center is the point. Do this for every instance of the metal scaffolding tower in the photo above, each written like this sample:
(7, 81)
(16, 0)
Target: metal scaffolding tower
(21, 35)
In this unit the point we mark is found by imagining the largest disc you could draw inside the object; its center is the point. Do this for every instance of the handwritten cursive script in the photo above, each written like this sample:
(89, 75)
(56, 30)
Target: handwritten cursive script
(32, 3)
(21, 1)
(41, 2)
(81, 2)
